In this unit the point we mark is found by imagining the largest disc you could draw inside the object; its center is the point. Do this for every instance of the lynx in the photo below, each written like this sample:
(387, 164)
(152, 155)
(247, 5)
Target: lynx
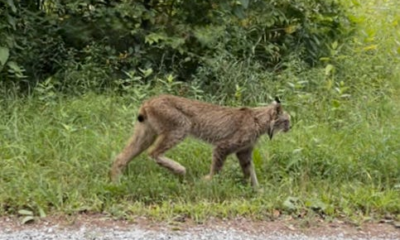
(164, 121)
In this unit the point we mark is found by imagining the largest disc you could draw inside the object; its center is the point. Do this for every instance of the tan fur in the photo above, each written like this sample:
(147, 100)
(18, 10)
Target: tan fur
(166, 120)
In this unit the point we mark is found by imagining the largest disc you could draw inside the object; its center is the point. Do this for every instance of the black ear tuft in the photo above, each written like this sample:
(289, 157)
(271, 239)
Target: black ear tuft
(278, 105)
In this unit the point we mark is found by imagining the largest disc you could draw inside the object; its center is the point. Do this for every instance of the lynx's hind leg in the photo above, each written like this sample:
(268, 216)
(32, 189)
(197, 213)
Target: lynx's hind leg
(163, 143)
(246, 163)
(141, 139)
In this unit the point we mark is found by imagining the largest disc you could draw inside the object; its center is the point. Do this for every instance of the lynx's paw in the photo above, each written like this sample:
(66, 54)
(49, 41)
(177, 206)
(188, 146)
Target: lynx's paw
(180, 170)
(114, 175)
(207, 177)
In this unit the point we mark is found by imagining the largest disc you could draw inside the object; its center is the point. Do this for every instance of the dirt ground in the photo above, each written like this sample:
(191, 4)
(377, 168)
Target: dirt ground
(288, 225)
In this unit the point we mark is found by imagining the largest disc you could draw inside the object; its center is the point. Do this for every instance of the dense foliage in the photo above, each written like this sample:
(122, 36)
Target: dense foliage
(86, 66)
(94, 44)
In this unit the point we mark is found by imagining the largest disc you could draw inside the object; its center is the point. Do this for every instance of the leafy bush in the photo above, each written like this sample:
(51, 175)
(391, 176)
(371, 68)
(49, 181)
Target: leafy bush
(87, 44)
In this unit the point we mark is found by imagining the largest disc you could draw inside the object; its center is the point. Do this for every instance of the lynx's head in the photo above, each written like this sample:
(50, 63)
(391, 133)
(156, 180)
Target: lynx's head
(280, 121)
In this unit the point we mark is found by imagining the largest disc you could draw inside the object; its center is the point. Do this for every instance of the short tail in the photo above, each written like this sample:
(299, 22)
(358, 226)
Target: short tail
(143, 136)
(142, 115)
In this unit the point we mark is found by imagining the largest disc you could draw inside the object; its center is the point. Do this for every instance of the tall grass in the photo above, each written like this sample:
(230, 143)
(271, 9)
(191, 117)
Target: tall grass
(340, 158)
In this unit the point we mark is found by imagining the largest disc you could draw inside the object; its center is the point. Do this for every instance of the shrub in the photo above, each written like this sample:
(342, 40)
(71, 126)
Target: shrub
(91, 44)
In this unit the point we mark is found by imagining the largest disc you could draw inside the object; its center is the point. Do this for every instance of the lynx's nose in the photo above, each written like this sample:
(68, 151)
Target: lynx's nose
(287, 127)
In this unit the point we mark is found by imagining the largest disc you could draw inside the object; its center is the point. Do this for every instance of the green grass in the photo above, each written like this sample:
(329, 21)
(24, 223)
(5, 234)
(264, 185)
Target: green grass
(341, 158)
(56, 158)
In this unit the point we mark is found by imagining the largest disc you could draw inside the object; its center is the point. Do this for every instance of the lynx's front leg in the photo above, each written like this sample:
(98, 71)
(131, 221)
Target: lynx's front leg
(246, 162)
(219, 156)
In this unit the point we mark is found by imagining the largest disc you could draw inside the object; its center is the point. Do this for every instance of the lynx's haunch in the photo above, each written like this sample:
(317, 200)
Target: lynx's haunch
(164, 121)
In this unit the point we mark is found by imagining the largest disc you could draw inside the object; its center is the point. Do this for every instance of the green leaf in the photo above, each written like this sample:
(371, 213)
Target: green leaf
(335, 103)
(25, 212)
(297, 150)
(245, 3)
(334, 45)
(14, 66)
(291, 203)
(328, 69)
(42, 214)
(356, 2)
(146, 72)
(154, 38)
(11, 21)
(170, 78)
(316, 205)
(12, 5)
(27, 219)
(238, 11)
(4, 54)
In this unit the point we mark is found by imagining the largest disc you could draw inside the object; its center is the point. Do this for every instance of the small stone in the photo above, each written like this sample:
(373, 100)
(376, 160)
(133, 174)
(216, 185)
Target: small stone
(396, 224)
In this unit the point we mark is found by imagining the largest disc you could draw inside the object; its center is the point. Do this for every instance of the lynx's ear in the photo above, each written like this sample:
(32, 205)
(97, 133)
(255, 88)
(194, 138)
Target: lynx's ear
(278, 106)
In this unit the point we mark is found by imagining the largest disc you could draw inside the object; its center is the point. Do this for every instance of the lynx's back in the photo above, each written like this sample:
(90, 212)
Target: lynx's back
(209, 122)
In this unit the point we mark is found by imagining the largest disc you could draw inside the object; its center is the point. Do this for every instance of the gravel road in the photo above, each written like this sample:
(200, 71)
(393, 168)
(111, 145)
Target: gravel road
(97, 228)
(136, 233)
